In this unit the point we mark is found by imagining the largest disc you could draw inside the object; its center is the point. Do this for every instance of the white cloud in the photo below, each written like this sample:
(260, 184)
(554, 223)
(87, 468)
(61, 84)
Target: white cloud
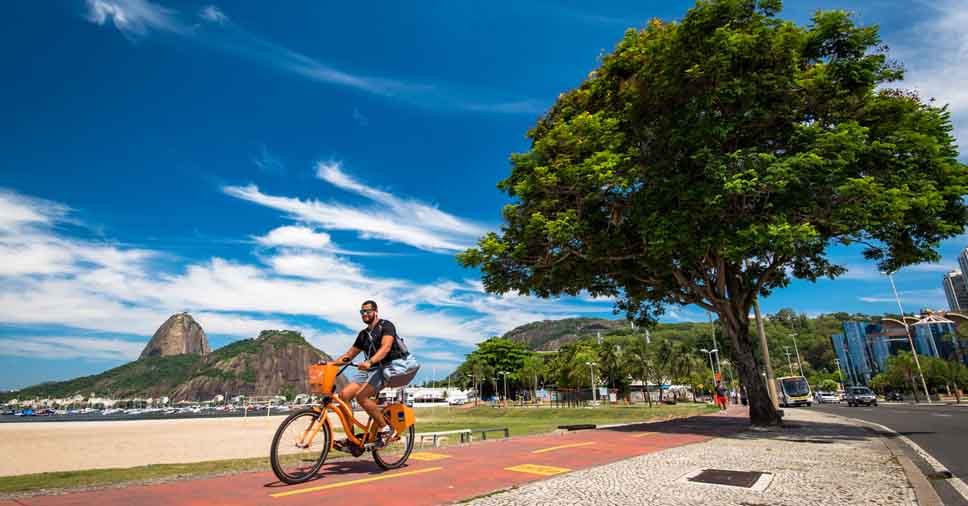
(932, 267)
(863, 272)
(18, 212)
(404, 223)
(213, 14)
(935, 54)
(428, 216)
(62, 348)
(133, 18)
(295, 236)
(105, 287)
(932, 297)
(442, 356)
(313, 266)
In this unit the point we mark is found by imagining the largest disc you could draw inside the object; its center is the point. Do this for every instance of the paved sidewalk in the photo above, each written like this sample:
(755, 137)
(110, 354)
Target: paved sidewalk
(818, 459)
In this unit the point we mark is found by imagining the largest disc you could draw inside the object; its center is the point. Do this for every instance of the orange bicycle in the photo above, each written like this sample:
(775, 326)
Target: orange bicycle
(304, 439)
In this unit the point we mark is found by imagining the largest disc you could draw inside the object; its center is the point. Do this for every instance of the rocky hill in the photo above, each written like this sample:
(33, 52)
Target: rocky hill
(179, 335)
(549, 335)
(275, 362)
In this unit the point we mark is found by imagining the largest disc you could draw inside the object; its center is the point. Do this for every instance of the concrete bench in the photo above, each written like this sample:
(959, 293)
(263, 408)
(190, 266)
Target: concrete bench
(498, 429)
(437, 437)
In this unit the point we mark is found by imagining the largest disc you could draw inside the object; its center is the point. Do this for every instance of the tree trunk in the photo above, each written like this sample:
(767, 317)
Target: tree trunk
(737, 326)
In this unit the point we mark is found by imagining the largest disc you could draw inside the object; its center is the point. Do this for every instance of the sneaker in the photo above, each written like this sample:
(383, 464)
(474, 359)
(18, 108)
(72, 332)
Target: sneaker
(383, 437)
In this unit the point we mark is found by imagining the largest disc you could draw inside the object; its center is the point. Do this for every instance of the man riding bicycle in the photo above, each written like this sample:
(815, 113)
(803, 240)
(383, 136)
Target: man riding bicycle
(384, 350)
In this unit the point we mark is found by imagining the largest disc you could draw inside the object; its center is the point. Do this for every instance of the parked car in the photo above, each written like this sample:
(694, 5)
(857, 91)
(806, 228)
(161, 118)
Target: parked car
(861, 395)
(894, 396)
(827, 398)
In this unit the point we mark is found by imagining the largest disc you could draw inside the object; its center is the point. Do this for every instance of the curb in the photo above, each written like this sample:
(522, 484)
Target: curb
(956, 483)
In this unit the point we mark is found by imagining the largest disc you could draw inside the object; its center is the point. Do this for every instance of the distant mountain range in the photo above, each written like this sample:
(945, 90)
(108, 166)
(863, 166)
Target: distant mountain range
(177, 363)
(549, 335)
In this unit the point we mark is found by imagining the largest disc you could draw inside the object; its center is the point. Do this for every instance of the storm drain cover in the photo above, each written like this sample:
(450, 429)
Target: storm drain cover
(745, 479)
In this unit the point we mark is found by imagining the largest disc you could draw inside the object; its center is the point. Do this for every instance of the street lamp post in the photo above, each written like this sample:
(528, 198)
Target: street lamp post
(907, 330)
(712, 325)
(591, 375)
(837, 361)
(710, 353)
(505, 374)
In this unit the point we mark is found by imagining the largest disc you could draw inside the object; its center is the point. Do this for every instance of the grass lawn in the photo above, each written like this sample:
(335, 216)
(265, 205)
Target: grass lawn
(524, 421)
(520, 421)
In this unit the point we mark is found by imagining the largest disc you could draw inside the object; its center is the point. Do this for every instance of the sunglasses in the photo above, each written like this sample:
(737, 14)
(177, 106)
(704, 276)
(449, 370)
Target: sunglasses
(367, 311)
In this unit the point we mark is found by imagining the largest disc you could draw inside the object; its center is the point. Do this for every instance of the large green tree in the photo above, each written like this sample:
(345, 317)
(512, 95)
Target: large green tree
(708, 161)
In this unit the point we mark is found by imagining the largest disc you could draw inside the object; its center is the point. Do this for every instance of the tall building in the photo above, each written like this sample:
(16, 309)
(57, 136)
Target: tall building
(862, 353)
(963, 263)
(956, 291)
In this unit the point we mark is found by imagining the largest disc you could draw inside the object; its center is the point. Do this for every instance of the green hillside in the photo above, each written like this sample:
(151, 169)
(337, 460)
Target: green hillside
(260, 366)
(813, 335)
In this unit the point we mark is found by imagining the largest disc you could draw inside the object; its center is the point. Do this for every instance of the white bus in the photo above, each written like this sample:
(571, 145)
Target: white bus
(793, 391)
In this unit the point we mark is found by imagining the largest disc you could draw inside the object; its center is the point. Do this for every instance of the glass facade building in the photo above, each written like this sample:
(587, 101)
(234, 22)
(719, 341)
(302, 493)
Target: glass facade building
(956, 291)
(864, 348)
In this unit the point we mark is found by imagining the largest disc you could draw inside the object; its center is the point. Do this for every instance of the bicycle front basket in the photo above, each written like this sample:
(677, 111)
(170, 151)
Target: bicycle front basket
(322, 377)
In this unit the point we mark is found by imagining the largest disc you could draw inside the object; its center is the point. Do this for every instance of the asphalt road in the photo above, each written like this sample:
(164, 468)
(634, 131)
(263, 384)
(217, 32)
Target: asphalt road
(942, 431)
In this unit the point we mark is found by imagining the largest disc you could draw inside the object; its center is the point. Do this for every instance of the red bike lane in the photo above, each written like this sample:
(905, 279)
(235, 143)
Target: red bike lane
(432, 476)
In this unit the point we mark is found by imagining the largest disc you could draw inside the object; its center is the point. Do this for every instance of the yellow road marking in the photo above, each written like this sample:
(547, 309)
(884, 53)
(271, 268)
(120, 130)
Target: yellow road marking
(553, 448)
(355, 482)
(536, 469)
(428, 456)
(645, 434)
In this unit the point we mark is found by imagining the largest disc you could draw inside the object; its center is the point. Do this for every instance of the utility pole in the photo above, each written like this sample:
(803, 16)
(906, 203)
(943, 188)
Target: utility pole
(907, 329)
(765, 350)
(591, 375)
(786, 350)
(797, 349)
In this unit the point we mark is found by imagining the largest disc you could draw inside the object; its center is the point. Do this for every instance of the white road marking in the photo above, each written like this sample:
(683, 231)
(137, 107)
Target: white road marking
(938, 467)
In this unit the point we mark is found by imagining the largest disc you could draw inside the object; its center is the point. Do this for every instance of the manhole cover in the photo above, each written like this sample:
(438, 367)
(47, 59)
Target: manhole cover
(745, 479)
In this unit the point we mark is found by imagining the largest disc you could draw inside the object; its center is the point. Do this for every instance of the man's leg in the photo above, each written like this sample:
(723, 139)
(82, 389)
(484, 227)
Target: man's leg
(349, 392)
(370, 406)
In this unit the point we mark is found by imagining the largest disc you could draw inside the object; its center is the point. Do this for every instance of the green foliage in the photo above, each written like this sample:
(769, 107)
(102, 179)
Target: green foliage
(828, 385)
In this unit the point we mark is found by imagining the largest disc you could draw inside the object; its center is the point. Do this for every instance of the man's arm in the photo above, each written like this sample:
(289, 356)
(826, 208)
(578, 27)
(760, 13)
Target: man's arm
(349, 355)
(385, 344)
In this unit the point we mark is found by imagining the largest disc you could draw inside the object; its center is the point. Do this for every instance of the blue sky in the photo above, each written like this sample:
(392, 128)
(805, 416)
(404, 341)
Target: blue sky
(267, 167)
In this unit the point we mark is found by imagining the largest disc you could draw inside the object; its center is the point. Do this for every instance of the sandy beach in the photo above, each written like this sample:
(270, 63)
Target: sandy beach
(68, 446)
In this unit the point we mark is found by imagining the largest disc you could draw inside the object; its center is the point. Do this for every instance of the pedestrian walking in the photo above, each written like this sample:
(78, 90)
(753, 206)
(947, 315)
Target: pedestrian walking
(721, 396)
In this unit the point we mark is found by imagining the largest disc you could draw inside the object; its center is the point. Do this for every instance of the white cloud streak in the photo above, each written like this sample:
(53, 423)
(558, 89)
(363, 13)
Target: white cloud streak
(213, 14)
(932, 297)
(135, 19)
(390, 217)
(63, 348)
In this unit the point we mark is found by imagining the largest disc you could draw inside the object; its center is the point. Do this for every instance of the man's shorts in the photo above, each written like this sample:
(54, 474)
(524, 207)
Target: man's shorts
(373, 377)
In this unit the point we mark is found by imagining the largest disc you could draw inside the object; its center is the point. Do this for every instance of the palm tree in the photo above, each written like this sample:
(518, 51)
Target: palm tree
(532, 368)
(641, 365)
(903, 364)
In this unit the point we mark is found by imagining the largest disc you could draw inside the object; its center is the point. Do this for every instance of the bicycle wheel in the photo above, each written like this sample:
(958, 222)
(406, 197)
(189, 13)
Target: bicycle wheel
(292, 461)
(397, 451)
